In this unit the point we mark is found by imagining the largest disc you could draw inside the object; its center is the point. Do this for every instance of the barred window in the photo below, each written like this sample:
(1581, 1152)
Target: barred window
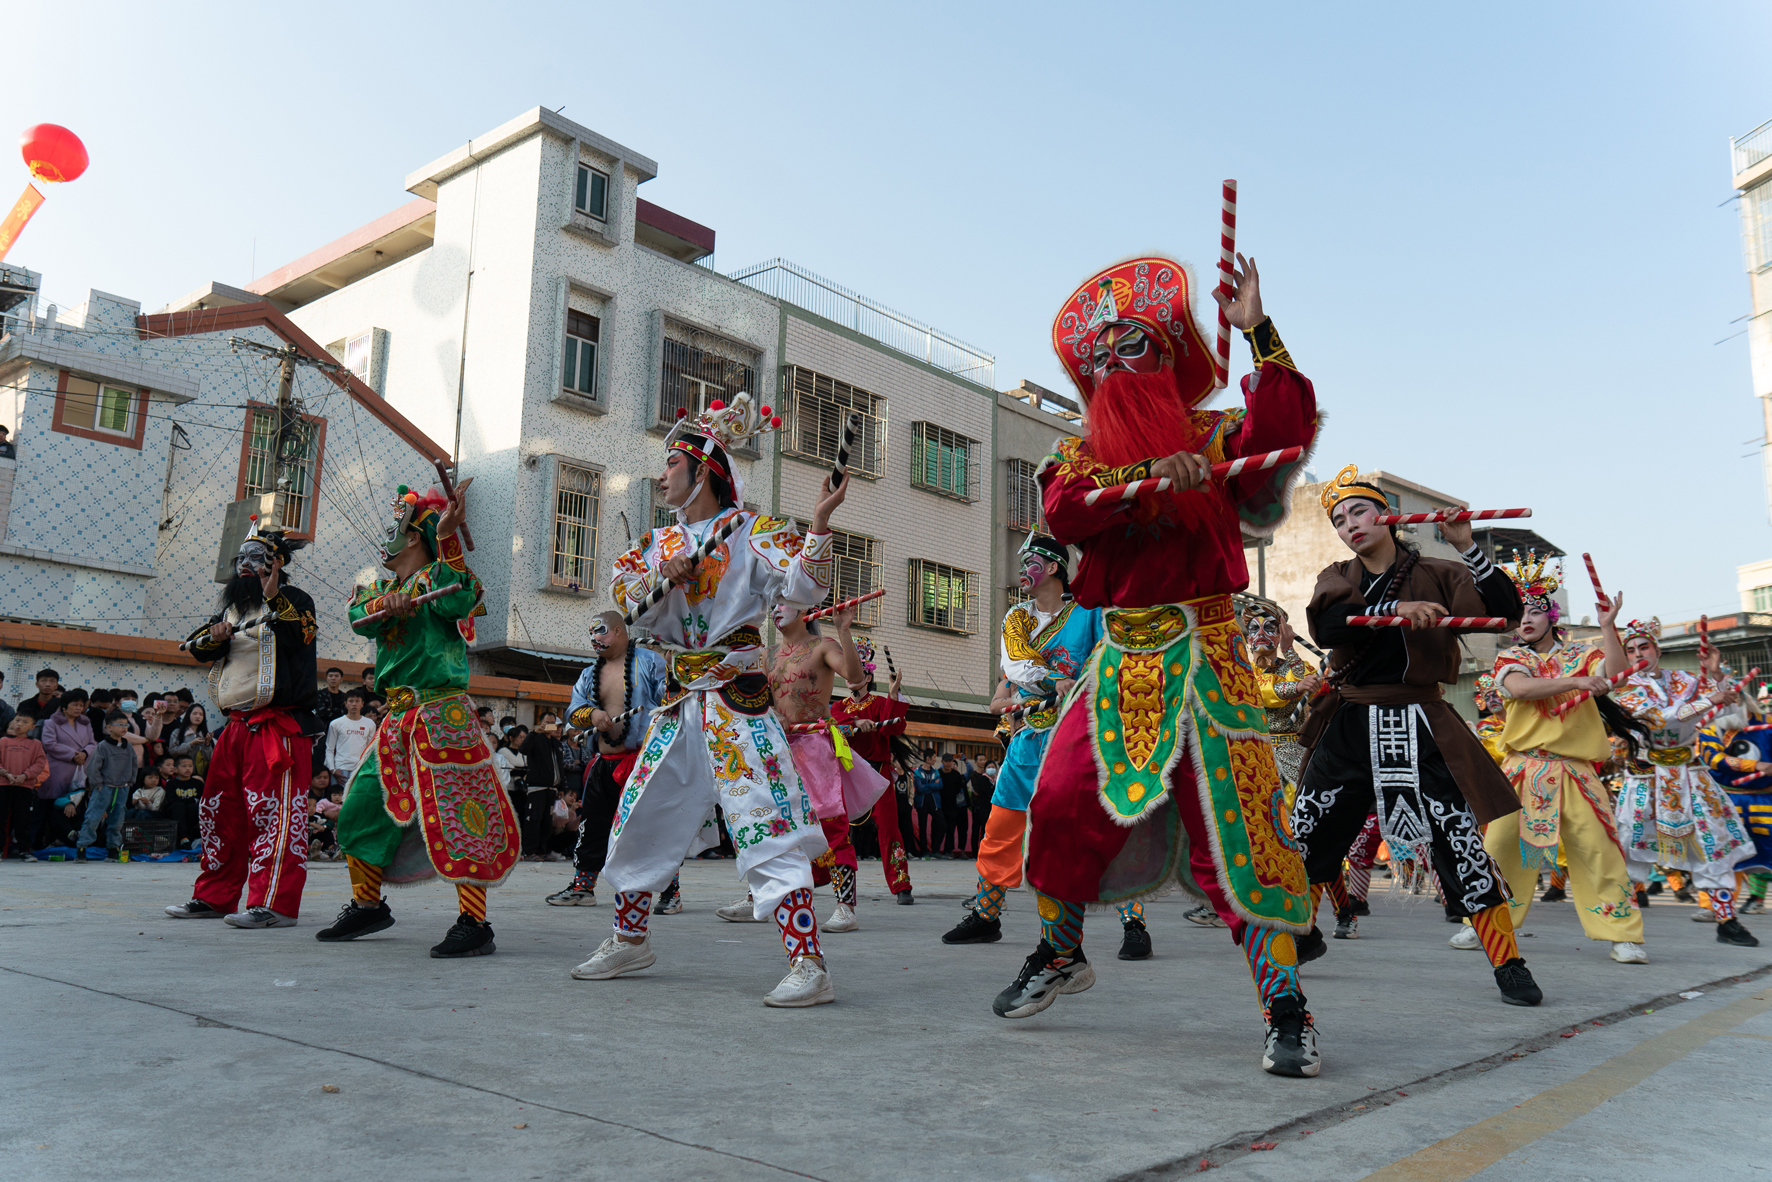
(945, 462)
(1015, 593)
(813, 420)
(578, 495)
(699, 367)
(578, 373)
(1022, 497)
(944, 597)
(858, 571)
(298, 445)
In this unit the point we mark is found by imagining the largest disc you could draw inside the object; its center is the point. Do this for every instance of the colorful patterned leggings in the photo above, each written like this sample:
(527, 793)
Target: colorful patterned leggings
(988, 904)
(366, 888)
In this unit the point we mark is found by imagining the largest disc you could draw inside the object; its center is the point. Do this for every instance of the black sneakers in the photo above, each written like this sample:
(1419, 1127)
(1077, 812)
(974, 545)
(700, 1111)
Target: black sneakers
(1311, 946)
(1361, 907)
(1347, 929)
(355, 920)
(904, 899)
(1516, 983)
(1136, 944)
(469, 937)
(195, 909)
(974, 930)
(1043, 976)
(1730, 931)
(1553, 895)
(1291, 1047)
(1643, 898)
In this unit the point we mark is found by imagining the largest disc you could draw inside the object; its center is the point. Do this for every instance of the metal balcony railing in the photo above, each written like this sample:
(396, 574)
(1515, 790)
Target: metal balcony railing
(1748, 150)
(793, 283)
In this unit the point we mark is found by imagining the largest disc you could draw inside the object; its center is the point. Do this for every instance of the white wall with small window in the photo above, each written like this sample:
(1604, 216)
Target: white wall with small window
(365, 354)
(577, 506)
(583, 313)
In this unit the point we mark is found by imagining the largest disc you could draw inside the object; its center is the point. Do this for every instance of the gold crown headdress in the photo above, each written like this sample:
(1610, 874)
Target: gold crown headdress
(1649, 630)
(1535, 580)
(1347, 485)
(728, 425)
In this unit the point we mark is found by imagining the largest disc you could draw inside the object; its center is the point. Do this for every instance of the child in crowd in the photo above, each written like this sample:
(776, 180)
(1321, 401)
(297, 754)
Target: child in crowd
(110, 774)
(23, 766)
(148, 801)
(323, 823)
(184, 789)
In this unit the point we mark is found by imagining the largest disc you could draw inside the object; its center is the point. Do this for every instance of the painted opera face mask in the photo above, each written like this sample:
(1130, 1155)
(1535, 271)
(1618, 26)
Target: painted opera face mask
(1035, 572)
(1641, 648)
(600, 634)
(1261, 633)
(1535, 624)
(254, 559)
(1124, 346)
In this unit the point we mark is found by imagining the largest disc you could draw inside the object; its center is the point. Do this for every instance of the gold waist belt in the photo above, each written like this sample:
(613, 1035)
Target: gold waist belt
(1158, 627)
(1670, 756)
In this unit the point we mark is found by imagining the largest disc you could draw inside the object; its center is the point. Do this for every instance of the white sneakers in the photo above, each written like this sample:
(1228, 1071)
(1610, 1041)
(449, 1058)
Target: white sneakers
(742, 911)
(1467, 939)
(1626, 953)
(615, 957)
(842, 920)
(807, 984)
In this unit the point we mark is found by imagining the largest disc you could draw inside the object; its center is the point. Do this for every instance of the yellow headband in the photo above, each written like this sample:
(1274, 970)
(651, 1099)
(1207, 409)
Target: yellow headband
(1347, 485)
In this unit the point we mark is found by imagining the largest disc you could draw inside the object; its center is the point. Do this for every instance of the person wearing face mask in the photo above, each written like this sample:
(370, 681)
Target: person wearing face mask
(253, 812)
(1384, 740)
(1046, 641)
(425, 801)
(1159, 768)
(1550, 761)
(1670, 811)
(716, 747)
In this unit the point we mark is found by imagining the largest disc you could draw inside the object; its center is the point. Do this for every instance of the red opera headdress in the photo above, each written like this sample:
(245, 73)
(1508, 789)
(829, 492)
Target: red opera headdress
(1536, 582)
(708, 438)
(1151, 292)
(1649, 630)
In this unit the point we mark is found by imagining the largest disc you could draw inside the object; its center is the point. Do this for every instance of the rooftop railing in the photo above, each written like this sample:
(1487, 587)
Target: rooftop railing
(1748, 150)
(793, 283)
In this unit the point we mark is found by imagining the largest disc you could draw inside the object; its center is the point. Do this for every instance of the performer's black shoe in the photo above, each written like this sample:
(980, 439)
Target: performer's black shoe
(1654, 888)
(1515, 981)
(469, 937)
(1730, 931)
(1554, 895)
(1751, 907)
(904, 899)
(1311, 946)
(1685, 895)
(355, 920)
(1643, 898)
(670, 901)
(1361, 907)
(974, 930)
(1044, 976)
(1347, 927)
(1291, 1047)
(1136, 943)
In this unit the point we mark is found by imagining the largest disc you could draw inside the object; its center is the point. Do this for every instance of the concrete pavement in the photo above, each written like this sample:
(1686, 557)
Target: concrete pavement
(151, 1048)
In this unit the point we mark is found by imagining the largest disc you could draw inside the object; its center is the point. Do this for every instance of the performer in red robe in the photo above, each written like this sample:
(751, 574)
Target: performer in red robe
(873, 719)
(1160, 769)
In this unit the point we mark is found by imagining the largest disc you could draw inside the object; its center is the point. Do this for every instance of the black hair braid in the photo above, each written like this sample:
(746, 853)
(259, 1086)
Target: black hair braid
(1395, 589)
(1621, 723)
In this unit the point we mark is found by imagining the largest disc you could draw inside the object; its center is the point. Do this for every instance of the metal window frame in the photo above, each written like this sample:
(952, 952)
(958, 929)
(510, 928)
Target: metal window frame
(804, 390)
(556, 519)
(924, 433)
(583, 168)
(568, 337)
(1021, 496)
(315, 464)
(857, 574)
(971, 615)
(666, 403)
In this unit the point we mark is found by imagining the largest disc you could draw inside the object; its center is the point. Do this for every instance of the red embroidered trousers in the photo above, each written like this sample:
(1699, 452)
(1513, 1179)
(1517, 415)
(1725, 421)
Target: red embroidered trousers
(253, 815)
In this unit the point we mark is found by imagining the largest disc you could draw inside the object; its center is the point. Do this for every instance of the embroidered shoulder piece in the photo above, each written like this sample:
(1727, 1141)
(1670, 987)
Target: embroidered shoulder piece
(449, 550)
(1265, 343)
(1018, 635)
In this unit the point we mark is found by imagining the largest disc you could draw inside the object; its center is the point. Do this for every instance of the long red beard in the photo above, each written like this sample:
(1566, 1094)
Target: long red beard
(1141, 416)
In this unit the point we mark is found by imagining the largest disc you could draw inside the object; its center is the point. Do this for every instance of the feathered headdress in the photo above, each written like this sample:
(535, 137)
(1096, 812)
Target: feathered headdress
(1537, 583)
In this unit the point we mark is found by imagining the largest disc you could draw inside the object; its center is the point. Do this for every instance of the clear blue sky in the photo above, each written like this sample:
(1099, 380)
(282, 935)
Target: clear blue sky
(1490, 233)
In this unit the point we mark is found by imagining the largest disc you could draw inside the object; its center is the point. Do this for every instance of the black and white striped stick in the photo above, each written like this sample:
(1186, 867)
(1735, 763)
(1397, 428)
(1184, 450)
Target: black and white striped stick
(662, 587)
(891, 669)
(1032, 705)
(841, 472)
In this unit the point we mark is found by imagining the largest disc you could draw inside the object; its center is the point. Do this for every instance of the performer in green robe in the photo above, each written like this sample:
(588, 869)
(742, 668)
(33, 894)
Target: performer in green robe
(425, 799)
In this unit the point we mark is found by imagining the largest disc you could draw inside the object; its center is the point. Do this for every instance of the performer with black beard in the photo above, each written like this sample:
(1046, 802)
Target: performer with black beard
(252, 815)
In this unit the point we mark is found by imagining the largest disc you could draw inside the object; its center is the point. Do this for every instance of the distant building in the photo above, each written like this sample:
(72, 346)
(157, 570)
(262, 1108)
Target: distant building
(1751, 162)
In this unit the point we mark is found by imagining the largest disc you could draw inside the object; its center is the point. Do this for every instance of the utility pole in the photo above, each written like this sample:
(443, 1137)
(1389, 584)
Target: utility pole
(291, 435)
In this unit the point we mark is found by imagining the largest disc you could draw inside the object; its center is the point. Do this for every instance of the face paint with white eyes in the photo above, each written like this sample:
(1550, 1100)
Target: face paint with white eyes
(1124, 346)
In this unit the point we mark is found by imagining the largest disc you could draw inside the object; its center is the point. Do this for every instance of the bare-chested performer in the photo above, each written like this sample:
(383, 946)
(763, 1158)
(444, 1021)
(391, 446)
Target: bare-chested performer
(840, 784)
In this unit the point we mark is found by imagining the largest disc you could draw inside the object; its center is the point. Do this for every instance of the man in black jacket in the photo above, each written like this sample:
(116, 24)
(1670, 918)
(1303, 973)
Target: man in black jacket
(260, 650)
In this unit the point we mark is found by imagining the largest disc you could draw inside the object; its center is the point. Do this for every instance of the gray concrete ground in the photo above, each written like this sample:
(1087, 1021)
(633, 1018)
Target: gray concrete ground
(206, 1058)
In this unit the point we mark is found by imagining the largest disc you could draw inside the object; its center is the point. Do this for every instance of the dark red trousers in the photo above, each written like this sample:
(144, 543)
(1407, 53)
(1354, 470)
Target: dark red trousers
(253, 815)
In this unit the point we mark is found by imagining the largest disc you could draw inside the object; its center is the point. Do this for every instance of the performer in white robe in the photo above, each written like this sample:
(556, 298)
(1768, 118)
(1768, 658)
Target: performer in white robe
(715, 748)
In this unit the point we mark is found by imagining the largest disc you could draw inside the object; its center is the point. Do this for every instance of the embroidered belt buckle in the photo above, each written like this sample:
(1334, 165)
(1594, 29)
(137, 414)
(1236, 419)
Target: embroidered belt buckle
(1670, 756)
(686, 667)
(1153, 628)
(401, 699)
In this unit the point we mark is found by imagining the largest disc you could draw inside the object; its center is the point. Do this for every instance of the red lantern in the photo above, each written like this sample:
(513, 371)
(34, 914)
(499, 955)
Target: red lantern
(53, 153)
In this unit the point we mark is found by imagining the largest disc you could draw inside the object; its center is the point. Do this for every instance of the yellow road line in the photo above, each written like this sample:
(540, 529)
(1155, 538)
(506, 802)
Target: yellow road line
(1483, 1144)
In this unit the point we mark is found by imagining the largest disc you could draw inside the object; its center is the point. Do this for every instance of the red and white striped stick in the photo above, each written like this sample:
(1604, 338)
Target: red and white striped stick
(1473, 623)
(1224, 471)
(1601, 600)
(814, 728)
(439, 593)
(1614, 682)
(1704, 647)
(1449, 515)
(1754, 775)
(1727, 682)
(844, 606)
(1227, 258)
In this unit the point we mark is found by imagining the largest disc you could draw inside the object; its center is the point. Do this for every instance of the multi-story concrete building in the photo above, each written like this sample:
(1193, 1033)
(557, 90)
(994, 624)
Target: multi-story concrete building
(1751, 163)
(545, 324)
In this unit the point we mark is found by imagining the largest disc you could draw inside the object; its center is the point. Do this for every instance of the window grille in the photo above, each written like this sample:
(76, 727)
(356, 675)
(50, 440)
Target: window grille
(945, 462)
(578, 373)
(592, 194)
(812, 420)
(98, 407)
(1022, 497)
(299, 445)
(699, 369)
(858, 571)
(1762, 597)
(944, 597)
(358, 350)
(578, 494)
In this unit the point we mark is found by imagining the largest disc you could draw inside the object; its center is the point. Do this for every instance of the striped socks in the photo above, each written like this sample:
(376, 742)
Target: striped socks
(1061, 923)
(472, 900)
(365, 881)
(1495, 927)
(1273, 963)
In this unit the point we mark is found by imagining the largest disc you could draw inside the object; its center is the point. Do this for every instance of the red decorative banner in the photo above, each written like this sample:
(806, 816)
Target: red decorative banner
(14, 225)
